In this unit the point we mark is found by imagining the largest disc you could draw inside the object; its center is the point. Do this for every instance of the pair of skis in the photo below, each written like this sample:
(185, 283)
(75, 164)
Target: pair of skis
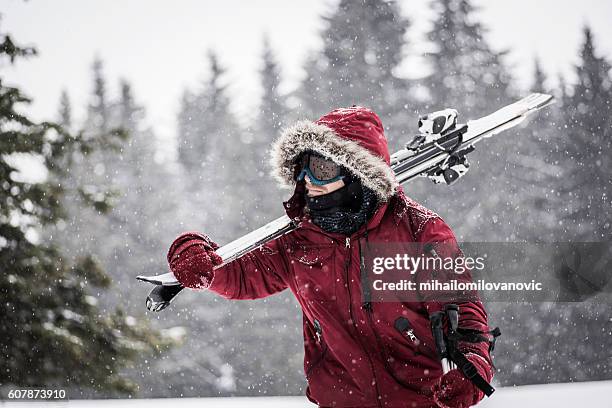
(440, 156)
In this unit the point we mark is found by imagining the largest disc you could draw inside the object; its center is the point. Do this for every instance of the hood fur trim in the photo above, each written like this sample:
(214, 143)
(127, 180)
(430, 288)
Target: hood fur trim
(305, 135)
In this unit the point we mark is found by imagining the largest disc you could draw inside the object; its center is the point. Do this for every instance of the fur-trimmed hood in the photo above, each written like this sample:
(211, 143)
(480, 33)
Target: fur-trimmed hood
(351, 137)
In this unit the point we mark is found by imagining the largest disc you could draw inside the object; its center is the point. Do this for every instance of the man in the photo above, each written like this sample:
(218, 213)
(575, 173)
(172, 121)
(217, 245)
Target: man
(345, 196)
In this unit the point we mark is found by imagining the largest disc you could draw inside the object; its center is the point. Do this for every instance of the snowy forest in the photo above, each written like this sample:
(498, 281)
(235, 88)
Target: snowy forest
(108, 204)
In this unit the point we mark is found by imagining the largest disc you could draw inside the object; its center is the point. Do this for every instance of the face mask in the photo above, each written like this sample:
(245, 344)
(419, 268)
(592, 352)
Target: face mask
(343, 211)
(347, 198)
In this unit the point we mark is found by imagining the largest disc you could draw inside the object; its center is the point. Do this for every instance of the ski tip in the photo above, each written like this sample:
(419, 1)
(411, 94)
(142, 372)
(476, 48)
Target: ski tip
(538, 101)
(165, 279)
(154, 306)
(160, 297)
(549, 101)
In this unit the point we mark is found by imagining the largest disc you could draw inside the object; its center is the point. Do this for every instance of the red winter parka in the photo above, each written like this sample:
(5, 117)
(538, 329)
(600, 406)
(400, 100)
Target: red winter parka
(354, 356)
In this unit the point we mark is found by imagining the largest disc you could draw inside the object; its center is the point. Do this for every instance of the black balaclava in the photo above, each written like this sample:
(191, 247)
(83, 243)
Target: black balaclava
(345, 210)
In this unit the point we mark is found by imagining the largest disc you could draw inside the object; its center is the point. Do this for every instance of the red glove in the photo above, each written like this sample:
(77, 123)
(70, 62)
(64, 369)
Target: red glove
(453, 390)
(191, 258)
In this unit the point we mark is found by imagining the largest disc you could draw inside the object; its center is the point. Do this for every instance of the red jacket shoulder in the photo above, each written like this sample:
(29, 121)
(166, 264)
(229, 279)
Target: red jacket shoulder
(425, 224)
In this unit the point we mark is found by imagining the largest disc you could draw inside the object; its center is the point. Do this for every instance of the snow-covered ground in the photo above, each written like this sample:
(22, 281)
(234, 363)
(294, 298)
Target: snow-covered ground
(587, 394)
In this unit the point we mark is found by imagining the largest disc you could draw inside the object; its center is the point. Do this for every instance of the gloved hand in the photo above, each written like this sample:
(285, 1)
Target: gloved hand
(453, 390)
(191, 258)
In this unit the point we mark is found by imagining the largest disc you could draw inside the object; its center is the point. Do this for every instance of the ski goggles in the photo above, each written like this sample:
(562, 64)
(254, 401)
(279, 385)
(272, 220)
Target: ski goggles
(320, 171)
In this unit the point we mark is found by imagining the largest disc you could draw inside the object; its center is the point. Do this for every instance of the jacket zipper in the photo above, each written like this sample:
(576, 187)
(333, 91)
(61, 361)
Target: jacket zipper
(365, 284)
(321, 343)
(347, 265)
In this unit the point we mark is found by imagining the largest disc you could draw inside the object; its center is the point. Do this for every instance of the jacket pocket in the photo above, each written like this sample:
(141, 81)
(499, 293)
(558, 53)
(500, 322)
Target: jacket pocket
(314, 273)
(406, 352)
(310, 255)
(321, 347)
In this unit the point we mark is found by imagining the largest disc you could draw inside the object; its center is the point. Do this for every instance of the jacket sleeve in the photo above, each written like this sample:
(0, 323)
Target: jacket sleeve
(255, 275)
(472, 314)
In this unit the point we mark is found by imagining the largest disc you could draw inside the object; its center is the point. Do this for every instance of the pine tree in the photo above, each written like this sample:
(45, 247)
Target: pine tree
(562, 95)
(190, 137)
(363, 47)
(203, 114)
(65, 111)
(535, 168)
(89, 176)
(120, 233)
(272, 115)
(129, 113)
(466, 72)
(539, 78)
(98, 110)
(139, 149)
(52, 333)
(272, 107)
(586, 148)
(529, 179)
(216, 154)
(140, 228)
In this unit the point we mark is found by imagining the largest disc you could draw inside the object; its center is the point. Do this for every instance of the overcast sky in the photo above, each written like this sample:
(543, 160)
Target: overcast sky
(160, 46)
